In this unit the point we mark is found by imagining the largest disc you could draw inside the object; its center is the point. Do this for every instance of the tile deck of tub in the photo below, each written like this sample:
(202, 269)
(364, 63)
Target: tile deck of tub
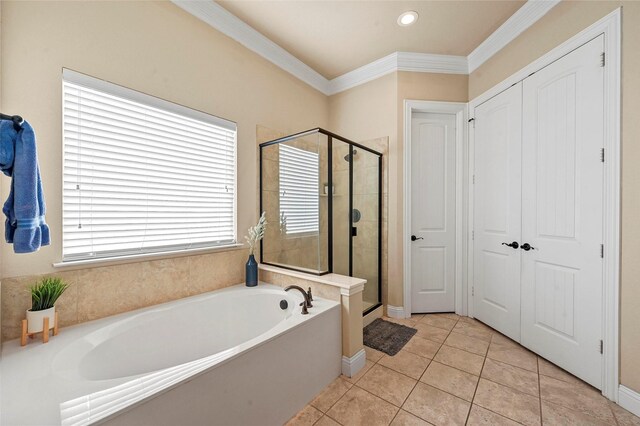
(458, 371)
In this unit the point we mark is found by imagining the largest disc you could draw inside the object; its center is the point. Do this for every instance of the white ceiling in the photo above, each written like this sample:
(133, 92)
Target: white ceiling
(334, 37)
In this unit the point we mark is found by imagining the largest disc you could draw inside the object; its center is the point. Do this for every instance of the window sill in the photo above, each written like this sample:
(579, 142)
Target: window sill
(94, 263)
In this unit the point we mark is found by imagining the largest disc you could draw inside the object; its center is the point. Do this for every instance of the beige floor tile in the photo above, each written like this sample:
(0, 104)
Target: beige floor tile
(327, 421)
(448, 315)
(463, 360)
(440, 322)
(423, 347)
(508, 402)
(452, 380)
(624, 417)
(406, 363)
(473, 329)
(409, 322)
(416, 317)
(504, 341)
(436, 406)
(404, 418)
(367, 365)
(579, 397)
(556, 415)
(482, 417)
(551, 370)
(359, 407)
(430, 332)
(306, 417)
(518, 356)
(514, 377)
(467, 343)
(373, 355)
(387, 384)
(472, 321)
(331, 394)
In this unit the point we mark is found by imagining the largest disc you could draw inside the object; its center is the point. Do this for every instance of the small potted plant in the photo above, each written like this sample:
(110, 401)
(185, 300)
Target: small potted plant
(255, 235)
(43, 297)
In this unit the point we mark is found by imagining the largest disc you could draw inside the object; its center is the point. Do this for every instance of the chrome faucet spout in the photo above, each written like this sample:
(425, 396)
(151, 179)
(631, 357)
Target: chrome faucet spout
(307, 303)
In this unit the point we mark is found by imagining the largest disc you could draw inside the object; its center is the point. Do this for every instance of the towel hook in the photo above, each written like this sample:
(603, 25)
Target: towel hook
(17, 120)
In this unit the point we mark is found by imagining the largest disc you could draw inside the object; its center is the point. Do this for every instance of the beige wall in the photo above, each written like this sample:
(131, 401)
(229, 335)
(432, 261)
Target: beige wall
(561, 23)
(153, 47)
(156, 48)
(376, 109)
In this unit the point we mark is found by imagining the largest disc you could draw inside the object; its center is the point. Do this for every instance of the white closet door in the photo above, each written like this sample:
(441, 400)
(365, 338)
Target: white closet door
(433, 212)
(497, 211)
(562, 181)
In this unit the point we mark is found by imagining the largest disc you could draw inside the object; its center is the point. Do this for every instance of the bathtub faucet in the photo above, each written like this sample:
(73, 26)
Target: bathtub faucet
(307, 302)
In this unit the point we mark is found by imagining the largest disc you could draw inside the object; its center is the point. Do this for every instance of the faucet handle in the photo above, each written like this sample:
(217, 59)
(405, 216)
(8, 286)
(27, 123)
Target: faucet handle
(304, 308)
(310, 295)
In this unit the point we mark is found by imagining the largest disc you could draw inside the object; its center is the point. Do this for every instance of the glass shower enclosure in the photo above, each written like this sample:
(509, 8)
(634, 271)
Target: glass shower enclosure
(322, 195)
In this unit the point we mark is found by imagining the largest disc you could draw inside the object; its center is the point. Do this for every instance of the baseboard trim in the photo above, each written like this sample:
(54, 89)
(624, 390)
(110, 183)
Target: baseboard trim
(629, 400)
(351, 366)
(372, 316)
(395, 312)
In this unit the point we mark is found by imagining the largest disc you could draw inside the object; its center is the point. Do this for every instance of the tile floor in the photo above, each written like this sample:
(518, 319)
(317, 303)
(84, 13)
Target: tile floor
(458, 371)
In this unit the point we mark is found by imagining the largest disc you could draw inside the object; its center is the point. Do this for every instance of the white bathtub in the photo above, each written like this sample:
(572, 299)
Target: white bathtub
(228, 357)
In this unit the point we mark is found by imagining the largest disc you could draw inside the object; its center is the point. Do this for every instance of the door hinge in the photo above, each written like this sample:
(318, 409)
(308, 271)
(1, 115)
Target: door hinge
(602, 155)
(602, 59)
(602, 251)
(473, 291)
(473, 179)
(601, 347)
(473, 235)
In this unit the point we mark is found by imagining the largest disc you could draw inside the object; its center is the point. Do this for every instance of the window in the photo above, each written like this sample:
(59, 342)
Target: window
(299, 206)
(142, 175)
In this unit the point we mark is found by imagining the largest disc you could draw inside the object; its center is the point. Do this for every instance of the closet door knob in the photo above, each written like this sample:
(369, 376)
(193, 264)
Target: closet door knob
(527, 247)
(513, 245)
(414, 238)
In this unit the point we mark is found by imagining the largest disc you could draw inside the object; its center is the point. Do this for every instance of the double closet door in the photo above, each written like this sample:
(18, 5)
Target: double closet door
(538, 212)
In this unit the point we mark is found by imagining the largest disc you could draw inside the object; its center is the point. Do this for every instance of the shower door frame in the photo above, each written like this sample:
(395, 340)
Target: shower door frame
(330, 137)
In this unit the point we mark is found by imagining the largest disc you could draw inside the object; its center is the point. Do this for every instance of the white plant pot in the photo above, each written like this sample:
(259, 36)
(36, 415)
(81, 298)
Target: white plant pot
(35, 319)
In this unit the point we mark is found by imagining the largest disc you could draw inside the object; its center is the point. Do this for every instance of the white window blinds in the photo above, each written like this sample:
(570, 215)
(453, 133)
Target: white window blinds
(142, 175)
(299, 183)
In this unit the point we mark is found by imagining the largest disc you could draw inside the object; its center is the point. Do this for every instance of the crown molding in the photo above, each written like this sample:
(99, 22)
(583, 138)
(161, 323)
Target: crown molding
(524, 17)
(399, 61)
(365, 73)
(426, 62)
(224, 21)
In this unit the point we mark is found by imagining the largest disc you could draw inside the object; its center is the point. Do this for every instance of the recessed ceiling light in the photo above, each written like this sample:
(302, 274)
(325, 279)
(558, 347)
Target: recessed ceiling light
(407, 18)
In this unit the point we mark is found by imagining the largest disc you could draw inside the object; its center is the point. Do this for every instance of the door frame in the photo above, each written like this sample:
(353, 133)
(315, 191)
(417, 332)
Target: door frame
(610, 26)
(459, 109)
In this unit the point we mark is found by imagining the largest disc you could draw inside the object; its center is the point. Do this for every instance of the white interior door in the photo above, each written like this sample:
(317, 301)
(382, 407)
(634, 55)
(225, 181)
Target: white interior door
(433, 212)
(497, 211)
(562, 184)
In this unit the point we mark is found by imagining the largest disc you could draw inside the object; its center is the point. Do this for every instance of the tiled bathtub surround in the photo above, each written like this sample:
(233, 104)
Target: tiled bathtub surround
(458, 371)
(103, 291)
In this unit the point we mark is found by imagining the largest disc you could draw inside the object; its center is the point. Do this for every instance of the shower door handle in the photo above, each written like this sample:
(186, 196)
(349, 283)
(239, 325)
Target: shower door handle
(414, 238)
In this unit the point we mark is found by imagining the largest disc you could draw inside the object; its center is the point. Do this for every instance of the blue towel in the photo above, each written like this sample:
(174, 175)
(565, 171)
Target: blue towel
(25, 226)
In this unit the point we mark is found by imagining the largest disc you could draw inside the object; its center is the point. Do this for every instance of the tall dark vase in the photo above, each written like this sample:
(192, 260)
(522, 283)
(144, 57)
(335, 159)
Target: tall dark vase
(251, 270)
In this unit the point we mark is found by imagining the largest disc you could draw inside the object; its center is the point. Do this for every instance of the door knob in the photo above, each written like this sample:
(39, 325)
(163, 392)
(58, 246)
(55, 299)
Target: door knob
(513, 245)
(527, 247)
(414, 238)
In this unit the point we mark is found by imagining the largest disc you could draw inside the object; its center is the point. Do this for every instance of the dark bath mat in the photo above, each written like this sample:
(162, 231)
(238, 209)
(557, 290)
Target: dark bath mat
(387, 337)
